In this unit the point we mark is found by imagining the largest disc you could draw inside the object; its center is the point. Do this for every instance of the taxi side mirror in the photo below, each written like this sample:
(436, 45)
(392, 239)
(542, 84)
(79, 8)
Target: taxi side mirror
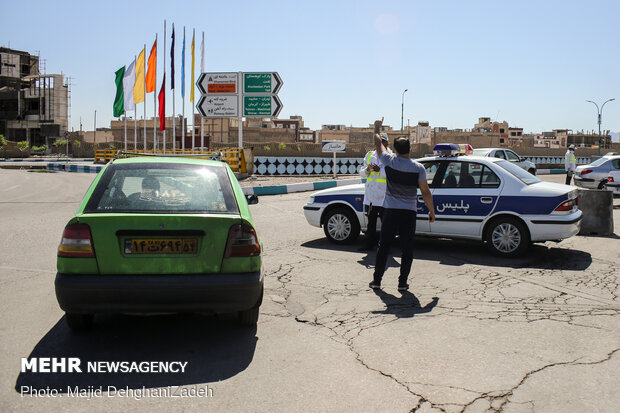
(252, 199)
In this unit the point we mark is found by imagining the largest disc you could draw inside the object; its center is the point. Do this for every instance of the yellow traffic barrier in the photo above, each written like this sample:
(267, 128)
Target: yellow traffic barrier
(234, 157)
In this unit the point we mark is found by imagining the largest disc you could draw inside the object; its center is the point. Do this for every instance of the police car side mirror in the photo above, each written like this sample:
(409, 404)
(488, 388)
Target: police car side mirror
(252, 199)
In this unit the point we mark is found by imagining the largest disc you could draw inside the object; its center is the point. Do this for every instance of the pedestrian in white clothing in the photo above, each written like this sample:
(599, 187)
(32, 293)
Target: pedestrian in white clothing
(374, 192)
(570, 163)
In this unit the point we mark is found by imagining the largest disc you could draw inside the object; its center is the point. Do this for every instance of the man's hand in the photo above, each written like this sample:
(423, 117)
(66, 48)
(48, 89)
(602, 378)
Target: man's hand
(373, 167)
(378, 125)
(431, 215)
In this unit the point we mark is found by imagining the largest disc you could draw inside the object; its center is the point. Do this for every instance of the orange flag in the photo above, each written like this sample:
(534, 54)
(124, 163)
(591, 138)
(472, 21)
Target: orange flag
(152, 66)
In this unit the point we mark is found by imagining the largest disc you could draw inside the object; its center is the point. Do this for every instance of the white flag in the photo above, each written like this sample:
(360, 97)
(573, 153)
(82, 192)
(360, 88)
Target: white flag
(129, 80)
(202, 54)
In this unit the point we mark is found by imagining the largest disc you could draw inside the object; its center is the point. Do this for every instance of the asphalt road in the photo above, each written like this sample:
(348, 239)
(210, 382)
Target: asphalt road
(477, 333)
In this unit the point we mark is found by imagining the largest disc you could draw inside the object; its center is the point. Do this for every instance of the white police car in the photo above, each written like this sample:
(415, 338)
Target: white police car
(482, 198)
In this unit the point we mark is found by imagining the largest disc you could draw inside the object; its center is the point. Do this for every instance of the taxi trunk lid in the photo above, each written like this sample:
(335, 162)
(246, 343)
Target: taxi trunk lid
(159, 243)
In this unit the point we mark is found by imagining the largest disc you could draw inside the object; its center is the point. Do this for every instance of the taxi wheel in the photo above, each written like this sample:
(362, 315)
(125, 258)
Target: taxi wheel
(250, 317)
(532, 171)
(507, 236)
(341, 226)
(602, 185)
(79, 322)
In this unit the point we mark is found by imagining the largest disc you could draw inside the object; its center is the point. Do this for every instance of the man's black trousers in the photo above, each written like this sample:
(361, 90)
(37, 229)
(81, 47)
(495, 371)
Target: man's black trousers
(401, 222)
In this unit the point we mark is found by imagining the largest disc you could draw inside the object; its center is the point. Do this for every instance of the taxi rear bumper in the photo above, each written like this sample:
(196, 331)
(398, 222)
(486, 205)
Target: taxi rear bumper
(210, 293)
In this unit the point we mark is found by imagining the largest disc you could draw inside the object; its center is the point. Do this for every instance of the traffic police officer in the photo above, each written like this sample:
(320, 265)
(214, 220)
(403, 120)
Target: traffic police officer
(374, 192)
(570, 163)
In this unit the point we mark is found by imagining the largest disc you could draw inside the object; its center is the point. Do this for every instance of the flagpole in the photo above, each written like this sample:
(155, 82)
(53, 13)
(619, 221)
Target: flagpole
(202, 69)
(125, 139)
(164, 86)
(192, 91)
(183, 94)
(135, 117)
(174, 112)
(155, 101)
(144, 103)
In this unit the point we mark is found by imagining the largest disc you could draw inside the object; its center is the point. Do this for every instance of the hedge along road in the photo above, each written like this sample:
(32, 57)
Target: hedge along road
(475, 333)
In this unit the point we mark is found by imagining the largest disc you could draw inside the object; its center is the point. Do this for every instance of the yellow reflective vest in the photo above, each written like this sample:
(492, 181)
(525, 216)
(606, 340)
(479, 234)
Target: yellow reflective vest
(376, 182)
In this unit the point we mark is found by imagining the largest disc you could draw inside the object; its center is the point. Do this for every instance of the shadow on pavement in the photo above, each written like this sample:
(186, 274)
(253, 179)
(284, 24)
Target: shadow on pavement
(214, 350)
(406, 306)
(460, 252)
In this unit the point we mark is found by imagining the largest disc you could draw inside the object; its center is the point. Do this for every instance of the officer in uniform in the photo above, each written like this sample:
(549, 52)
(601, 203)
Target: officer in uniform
(374, 193)
(570, 163)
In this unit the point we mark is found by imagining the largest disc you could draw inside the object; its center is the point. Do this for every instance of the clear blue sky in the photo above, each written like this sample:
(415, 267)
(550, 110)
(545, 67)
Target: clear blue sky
(531, 63)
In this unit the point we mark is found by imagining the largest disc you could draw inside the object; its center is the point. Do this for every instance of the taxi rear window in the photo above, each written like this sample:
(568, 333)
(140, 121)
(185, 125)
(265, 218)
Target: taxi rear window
(163, 188)
(522, 175)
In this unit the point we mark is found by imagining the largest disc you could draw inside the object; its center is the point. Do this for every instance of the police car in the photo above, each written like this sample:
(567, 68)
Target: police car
(480, 198)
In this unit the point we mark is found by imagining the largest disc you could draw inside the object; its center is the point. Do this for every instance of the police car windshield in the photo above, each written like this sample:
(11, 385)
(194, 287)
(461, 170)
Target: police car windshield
(523, 176)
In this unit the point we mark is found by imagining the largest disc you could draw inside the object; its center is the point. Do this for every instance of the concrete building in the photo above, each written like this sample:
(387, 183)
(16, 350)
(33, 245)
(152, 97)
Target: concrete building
(33, 106)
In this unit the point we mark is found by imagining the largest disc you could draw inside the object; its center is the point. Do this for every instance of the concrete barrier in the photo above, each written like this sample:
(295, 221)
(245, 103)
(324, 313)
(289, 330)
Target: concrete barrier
(597, 206)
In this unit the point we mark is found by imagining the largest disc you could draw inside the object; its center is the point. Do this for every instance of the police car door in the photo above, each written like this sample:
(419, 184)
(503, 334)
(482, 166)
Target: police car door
(422, 224)
(463, 198)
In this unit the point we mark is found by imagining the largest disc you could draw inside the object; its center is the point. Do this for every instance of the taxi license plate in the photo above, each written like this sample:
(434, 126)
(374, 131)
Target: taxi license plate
(161, 245)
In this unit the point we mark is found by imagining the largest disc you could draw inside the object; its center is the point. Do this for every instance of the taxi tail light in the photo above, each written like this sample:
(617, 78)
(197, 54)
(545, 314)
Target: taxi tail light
(610, 179)
(586, 171)
(568, 205)
(242, 242)
(76, 241)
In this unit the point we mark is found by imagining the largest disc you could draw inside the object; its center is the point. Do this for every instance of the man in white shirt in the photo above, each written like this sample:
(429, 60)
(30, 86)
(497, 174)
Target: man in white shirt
(374, 192)
(570, 163)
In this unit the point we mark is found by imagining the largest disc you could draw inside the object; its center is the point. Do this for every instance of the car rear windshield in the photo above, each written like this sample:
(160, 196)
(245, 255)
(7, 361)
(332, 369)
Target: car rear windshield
(522, 175)
(599, 162)
(163, 188)
(480, 152)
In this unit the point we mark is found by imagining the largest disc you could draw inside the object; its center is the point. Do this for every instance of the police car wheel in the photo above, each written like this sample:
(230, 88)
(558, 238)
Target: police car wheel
(341, 226)
(78, 322)
(507, 237)
(532, 171)
(602, 185)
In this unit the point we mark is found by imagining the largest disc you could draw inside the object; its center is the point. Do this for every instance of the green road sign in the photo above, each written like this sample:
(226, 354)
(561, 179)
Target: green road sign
(268, 106)
(262, 82)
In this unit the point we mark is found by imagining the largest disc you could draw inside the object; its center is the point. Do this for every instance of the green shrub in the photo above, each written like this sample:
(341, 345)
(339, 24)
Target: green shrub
(282, 146)
(23, 145)
(60, 142)
(2, 141)
(298, 148)
(112, 146)
(39, 149)
(266, 147)
(76, 144)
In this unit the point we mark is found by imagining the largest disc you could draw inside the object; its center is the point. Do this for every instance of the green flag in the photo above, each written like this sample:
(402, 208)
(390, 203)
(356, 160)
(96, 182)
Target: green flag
(119, 100)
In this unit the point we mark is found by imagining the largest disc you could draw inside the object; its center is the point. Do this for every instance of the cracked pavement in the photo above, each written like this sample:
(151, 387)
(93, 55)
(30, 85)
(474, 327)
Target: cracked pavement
(476, 333)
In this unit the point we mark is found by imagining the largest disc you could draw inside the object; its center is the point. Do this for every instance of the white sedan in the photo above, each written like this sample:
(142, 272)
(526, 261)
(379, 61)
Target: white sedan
(480, 198)
(613, 179)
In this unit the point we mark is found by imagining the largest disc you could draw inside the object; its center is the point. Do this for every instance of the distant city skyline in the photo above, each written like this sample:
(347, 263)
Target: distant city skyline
(532, 64)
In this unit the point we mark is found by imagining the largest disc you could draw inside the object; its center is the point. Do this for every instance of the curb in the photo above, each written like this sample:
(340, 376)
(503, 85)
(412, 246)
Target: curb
(47, 160)
(74, 168)
(299, 187)
(550, 171)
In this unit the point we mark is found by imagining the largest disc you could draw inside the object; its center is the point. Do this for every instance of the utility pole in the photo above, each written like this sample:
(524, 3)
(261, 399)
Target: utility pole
(600, 116)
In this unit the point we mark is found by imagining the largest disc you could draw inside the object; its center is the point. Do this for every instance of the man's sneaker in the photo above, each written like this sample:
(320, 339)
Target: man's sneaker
(403, 287)
(374, 285)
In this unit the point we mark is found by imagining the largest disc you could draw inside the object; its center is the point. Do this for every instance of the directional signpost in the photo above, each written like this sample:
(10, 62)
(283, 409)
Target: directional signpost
(262, 106)
(235, 95)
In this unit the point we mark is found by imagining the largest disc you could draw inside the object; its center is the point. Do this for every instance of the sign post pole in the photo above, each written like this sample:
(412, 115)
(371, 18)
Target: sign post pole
(240, 106)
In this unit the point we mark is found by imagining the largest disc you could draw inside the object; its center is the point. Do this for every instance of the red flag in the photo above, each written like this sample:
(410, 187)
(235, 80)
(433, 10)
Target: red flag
(162, 104)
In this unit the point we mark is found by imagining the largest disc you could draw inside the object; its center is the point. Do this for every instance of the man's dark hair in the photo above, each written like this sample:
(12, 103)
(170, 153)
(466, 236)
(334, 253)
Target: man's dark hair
(402, 145)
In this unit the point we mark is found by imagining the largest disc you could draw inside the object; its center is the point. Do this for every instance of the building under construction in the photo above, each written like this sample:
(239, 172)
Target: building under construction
(34, 107)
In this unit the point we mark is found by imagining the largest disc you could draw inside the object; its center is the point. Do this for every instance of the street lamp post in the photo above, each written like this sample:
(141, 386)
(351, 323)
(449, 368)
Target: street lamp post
(600, 115)
(402, 112)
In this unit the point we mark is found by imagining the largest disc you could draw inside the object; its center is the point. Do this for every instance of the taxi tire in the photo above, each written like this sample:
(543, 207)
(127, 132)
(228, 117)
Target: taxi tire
(79, 322)
(250, 317)
(350, 218)
(532, 171)
(511, 222)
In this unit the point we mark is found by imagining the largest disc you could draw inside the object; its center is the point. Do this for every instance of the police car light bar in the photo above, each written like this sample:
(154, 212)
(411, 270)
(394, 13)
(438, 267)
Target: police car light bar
(446, 149)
